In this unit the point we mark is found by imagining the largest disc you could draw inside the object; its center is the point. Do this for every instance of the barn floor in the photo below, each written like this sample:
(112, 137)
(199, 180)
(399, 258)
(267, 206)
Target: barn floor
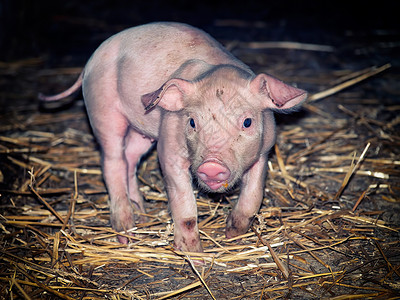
(330, 220)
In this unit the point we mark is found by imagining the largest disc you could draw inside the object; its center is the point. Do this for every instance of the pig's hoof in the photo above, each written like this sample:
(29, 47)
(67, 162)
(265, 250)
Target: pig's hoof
(121, 222)
(188, 244)
(194, 246)
(187, 238)
(125, 217)
(188, 241)
(123, 239)
(237, 224)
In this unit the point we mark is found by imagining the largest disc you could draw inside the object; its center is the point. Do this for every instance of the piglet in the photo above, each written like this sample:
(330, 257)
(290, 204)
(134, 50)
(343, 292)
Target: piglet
(211, 115)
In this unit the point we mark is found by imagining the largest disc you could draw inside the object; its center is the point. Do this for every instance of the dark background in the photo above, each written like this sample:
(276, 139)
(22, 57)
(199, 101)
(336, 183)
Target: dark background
(73, 29)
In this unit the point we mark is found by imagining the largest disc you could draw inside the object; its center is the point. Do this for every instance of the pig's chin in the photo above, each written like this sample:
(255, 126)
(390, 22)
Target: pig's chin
(217, 186)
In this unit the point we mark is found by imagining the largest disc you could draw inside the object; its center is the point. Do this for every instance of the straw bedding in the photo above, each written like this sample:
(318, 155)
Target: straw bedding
(328, 226)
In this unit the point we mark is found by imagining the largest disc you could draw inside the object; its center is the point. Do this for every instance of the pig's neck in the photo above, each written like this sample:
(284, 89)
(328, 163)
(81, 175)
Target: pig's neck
(190, 69)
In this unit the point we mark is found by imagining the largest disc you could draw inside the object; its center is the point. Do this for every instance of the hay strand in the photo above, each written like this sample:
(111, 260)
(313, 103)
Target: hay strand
(331, 91)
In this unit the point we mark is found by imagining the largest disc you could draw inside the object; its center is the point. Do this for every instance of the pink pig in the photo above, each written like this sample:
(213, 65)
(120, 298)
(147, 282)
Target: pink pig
(212, 117)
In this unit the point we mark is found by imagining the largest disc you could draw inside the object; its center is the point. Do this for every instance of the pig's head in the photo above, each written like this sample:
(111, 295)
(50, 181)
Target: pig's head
(228, 120)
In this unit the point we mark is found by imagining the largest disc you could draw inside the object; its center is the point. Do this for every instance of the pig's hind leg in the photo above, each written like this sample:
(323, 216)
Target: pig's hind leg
(119, 160)
(136, 145)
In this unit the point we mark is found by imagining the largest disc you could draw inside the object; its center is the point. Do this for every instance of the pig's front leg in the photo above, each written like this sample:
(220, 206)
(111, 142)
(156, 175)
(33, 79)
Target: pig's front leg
(249, 202)
(182, 203)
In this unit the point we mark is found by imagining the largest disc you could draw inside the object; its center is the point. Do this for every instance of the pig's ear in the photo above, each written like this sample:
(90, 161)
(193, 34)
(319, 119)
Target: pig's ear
(278, 95)
(170, 96)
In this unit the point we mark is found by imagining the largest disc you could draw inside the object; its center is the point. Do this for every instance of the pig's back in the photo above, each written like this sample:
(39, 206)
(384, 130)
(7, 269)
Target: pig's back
(171, 44)
(154, 51)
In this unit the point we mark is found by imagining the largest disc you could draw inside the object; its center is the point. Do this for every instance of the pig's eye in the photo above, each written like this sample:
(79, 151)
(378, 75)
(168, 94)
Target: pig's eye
(247, 123)
(192, 124)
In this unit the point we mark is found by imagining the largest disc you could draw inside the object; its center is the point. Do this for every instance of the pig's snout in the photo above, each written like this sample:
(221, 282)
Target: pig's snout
(214, 174)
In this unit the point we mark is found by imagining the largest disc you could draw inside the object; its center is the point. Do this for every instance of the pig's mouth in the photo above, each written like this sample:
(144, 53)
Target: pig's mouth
(216, 185)
(214, 175)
